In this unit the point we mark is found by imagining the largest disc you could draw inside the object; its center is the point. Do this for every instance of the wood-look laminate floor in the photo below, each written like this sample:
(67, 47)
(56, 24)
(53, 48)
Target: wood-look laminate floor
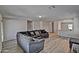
(53, 44)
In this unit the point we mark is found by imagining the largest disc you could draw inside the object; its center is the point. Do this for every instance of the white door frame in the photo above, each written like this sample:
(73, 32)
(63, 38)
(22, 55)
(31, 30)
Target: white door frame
(1, 33)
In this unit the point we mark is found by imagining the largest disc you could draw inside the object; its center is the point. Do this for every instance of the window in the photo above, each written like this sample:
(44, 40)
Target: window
(70, 26)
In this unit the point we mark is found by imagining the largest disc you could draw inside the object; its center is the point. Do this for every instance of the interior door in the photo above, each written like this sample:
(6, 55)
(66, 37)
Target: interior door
(52, 27)
(29, 25)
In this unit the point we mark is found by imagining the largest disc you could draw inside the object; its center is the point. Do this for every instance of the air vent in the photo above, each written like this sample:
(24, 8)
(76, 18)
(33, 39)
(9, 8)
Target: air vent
(51, 7)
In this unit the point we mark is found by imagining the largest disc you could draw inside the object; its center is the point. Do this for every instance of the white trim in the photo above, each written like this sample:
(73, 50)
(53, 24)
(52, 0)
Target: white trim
(1, 33)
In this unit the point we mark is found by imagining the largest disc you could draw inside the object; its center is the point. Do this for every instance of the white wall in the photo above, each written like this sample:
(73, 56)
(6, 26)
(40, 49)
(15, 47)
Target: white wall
(64, 21)
(42, 25)
(47, 26)
(76, 25)
(36, 25)
(11, 27)
(75, 22)
(55, 26)
(58, 25)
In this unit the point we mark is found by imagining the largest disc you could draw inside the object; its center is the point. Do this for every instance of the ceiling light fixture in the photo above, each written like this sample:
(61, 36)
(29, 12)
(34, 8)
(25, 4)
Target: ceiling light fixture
(40, 16)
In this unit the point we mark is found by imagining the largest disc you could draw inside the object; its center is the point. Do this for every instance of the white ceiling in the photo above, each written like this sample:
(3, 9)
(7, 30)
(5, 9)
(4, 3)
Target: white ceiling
(33, 11)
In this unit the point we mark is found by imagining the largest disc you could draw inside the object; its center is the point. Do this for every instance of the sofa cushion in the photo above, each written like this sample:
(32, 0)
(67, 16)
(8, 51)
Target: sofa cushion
(32, 33)
(43, 31)
(36, 33)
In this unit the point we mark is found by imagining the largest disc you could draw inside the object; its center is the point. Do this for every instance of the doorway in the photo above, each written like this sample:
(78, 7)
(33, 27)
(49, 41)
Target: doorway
(29, 25)
(52, 27)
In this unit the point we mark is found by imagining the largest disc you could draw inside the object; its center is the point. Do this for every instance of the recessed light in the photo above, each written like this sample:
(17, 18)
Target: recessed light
(40, 16)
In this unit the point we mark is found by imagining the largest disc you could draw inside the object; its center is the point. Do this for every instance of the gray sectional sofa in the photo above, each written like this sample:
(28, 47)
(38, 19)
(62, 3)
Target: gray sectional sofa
(32, 41)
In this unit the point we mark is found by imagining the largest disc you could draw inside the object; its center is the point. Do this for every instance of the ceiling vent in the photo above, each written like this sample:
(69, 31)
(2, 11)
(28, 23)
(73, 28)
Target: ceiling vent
(50, 7)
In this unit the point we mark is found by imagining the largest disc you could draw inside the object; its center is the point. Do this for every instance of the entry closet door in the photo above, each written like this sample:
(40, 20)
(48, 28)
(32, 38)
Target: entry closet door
(11, 27)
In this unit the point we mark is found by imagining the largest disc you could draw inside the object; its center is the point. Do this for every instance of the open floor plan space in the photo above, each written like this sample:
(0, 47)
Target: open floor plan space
(39, 28)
